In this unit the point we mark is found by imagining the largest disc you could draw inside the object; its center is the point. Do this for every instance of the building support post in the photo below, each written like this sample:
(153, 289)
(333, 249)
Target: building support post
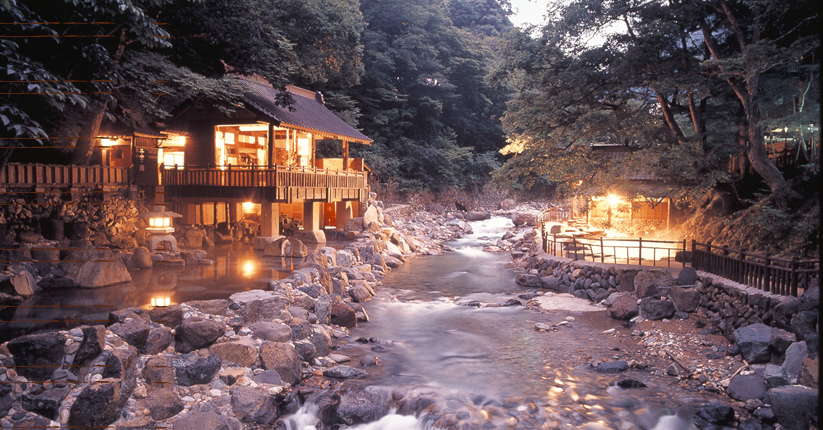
(343, 213)
(312, 212)
(269, 219)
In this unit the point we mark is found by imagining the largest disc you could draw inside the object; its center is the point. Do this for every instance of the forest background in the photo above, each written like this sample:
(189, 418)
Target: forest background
(456, 98)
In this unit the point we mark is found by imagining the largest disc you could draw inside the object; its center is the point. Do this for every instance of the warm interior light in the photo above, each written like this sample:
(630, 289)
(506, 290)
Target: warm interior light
(613, 200)
(248, 269)
(160, 301)
(107, 142)
(248, 207)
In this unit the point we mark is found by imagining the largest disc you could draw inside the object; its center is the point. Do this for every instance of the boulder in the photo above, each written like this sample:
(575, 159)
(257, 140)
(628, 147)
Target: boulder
(142, 423)
(277, 248)
(360, 293)
(649, 283)
(716, 413)
(685, 299)
(141, 258)
(253, 406)
(362, 405)
(809, 373)
(794, 406)
(46, 403)
(274, 332)
(162, 403)
(200, 371)
(230, 375)
(214, 307)
(687, 276)
(550, 282)
(354, 224)
(260, 243)
(506, 204)
(782, 314)
(624, 308)
(18, 282)
(37, 355)
(343, 315)
(93, 268)
(258, 305)
(321, 339)
(528, 280)
(27, 420)
(310, 236)
(134, 332)
(158, 372)
(305, 349)
(270, 377)
(53, 229)
(753, 341)
(298, 249)
(654, 309)
(241, 352)
(94, 340)
(810, 300)
(794, 356)
(120, 315)
(99, 404)
(204, 416)
(627, 280)
(283, 358)
(196, 333)
(169, 316)
(120, 363)
(524, 218)
(776, 376)
(804, 325)
(781, 340)
(371, 215)
(158, 340)
(345, 372)
(745, 387)
(477, 215)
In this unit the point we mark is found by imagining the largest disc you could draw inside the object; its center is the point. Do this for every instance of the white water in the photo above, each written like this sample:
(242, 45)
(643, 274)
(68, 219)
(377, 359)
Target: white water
(306, 419)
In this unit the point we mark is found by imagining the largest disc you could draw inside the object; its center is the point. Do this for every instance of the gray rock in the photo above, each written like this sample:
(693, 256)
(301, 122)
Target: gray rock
(253, 406)
(627, 280)
(241, 352)
(134, 332)
(687, 276)
(162, 403)
(343, 315)
(321, 339)
(92, 268)
(257, 305)
(794, 406)
(795, 354)
(268, 377)
(99, 404)
(142, 423)
(46, 403)
(477, 215)
(274, 332)
(141, 258)
(624, 308)
(745, 387)
(205, 416)
(528, 280)
(169, 316)
(781, 339)
(214, 307)
(685, 299)
(810, 300)
(94, 340)
(121, 363)
(648, 283)
(804, 324)
(19, 282)
(654, 309)
(345, 372)
(283, 358)
(550, 282)
(37, 355)
(158, 372)
(753, 341)
(196, 333)
(306, 350)
(776, 376)
(362, 405)
(784, 311)
(200, 371)
(612, 366)
(716, 413)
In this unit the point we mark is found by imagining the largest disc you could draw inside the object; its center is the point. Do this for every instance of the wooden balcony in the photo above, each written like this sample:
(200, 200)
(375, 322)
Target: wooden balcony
(53, 176)
(271, 183)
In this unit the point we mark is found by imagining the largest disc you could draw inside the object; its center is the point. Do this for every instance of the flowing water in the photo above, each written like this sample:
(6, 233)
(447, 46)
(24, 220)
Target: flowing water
(427, 337)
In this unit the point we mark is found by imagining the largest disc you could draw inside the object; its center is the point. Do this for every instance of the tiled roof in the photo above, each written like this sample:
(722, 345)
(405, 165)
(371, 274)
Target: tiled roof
(308, 112)
(126, 126)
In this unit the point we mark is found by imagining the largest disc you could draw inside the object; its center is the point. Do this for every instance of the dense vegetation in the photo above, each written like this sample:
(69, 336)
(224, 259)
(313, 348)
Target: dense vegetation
(684, 85)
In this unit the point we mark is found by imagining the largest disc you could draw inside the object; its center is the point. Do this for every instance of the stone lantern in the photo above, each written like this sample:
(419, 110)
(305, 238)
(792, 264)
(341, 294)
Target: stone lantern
(160, 229)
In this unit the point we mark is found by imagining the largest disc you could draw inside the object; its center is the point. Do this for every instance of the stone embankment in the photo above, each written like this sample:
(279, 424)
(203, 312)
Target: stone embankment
(771, 367)
(223, 364)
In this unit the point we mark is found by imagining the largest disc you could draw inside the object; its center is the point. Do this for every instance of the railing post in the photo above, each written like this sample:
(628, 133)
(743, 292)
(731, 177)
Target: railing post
(684, 253)
(602, 253)
(793, 284)
(574, 246)
(640, 253)
(767, 279)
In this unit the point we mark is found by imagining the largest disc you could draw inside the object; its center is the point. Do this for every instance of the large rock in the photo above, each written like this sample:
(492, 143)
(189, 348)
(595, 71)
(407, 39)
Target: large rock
(507, 204)
(716, 413)
(627, 280)
(142, 423)
(810, 373)
(162, 403)
(810, 300)
(624, 308)
(135, 332)
(158, 340)
(158, 372)
(345, 372)
(274, 332)
(687, 276)
(169, 316)
(310, 236)
(259, 305)
(200, 371)
(214, 307)
(745, 387)
(93, 268)
(524, 218)
(354, 224)
(46, 403)
(783, 312)
(654, 309)
(253, 406)
(283, 358)
(343, 315)
(141, 258)
(240, 352)
(18, 282)
(649, 283)
(276, 248)
(794, 356)
(794, 406)
(196, 333)
(528, 280)
(550, 282)
(477, 215)
(204, 416)
(262, 242)
(776, 376)
(685, 299)
(804, 325)
(94, 340)
(753, 341)
(362, 405)
(100, 404)
(37, 355)
(120, 364)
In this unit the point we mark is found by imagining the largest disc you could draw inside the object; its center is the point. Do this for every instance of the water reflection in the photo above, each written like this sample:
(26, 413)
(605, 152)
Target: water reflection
(236, 268)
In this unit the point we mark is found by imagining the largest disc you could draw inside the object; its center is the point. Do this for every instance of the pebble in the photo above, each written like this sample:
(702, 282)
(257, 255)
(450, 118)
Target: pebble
(609, 331)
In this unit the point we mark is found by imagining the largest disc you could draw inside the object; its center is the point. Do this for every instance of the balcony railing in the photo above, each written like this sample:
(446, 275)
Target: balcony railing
(15, 175)
(263, 176)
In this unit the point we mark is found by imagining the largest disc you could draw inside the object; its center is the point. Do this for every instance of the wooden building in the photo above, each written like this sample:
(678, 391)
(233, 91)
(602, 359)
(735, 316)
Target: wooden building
(258, 162)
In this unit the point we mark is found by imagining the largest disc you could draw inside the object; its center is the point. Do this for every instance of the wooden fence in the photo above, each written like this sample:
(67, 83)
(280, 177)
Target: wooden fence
(15, 175)
(617, 251)
(264, 176)
(553, 215)
(775, 275)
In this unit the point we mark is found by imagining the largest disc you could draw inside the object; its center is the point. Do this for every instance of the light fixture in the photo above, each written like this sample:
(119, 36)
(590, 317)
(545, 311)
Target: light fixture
(248, 207)
(157, 302)
(107, 142)
(613, 200)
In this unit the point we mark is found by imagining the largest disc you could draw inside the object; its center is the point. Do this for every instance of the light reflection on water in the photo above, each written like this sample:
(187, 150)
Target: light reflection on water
(237, 268)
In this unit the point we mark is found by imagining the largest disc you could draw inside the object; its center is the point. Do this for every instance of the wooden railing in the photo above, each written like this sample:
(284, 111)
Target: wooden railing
(15, 175)
(775, 275)
(617, 251)
(263, 176)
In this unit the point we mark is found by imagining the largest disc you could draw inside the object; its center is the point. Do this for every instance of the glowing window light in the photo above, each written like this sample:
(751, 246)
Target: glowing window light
(160, 301)
(613, 200)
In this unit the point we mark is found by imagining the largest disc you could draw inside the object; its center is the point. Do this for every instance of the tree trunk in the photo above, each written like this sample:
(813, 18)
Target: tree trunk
(84, 146)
